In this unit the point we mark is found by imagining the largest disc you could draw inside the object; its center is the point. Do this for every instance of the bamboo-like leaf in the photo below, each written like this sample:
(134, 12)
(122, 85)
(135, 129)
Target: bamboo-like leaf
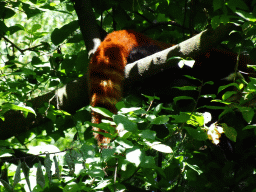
(70, 161)
(48, 165)
(57, 171)
(25, 170)
(40, 176)
(6, 185)
(17, 175)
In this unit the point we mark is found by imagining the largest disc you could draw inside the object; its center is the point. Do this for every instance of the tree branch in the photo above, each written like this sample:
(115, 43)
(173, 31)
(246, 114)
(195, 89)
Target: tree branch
(9, 41)
(192, 47)
(74, 95)
(88, 25)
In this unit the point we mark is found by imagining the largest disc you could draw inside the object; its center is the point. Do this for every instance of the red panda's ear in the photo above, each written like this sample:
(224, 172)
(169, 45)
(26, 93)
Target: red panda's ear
(140, 52)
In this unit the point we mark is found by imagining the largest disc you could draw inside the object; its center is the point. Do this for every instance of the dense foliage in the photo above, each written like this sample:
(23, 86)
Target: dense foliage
(163, 146)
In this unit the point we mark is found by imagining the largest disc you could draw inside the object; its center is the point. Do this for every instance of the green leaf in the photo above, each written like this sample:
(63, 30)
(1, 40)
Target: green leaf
(191, 175)
(250, 127)
(208, 82)
(125, 143)
(234, 4)
(134, 156)
(221, 101)
(35, 27)
(195, 168)
(224, 19)
(102, 184)
(4, 143)
(68, 63)
(160, 120)
(187, 88)
(36, 61)
(4, 150)
(148, 162)
(72, 187)
(3, 27)
(88, 151)
(40, 176)
(59, 35)
(136, 110)
(17, 175)
(175, 57)
(70, 161)
(161, 17)
(245, 15)
(107, 154)
(102, 111)
(30, 12)
(76, 39)
(217, 4)
(6, 185)
(175, 99)
(123, 123)
(57, 171)
(148, 134)
(28, 71)
(48, 165)
(197, 118)
(191, 77)
(128, 169)
(96, 173)
(158, 108)
(221, 88)
(20, 107)
(212, 107)
(104, 126)
(51, 115)
(247, 113)
(14, 29)
(5, 13)
(125, 135)
(184, 62)
(25, 170)
(215, 22)
(81, 59)
(182, 118)
(230, 132)
(198, 133)
(228, 94)
(159, 147)
(151, 98)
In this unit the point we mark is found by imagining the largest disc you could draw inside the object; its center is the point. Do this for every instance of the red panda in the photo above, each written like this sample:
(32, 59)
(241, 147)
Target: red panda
(106, 71)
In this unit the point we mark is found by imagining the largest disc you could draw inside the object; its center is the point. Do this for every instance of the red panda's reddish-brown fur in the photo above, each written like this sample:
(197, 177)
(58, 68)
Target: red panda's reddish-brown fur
(106, 71)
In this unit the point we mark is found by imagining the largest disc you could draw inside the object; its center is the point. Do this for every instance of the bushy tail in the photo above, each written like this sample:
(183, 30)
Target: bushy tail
(106, 72)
